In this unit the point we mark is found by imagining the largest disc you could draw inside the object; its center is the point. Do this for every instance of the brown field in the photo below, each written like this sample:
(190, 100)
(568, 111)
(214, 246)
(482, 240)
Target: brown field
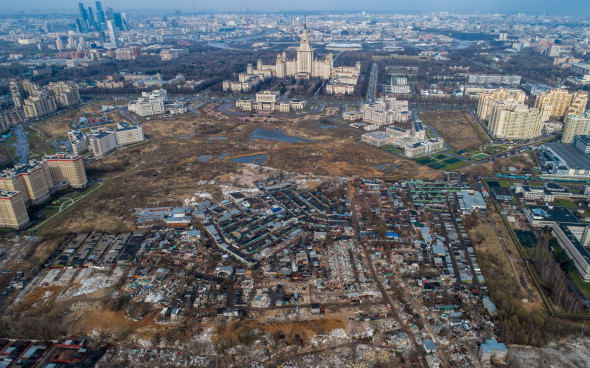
(523, 161)
(165, 170)
(453, 127)
(493, 259)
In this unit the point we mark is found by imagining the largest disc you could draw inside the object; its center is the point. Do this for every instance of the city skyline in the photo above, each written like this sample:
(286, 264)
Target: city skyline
(549, 8)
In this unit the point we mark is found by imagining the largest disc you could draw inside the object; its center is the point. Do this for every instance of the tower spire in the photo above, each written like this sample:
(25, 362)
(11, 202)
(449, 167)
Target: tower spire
(304, 21)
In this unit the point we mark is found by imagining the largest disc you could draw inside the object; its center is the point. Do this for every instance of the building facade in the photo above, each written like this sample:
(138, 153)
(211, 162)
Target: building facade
(102, 143)
(150, 103)
(304, 66)
(270, 101)
(578, 124)
(66, 169)
(488, 96)
(13, 213)
(563, 102)
(510, 119)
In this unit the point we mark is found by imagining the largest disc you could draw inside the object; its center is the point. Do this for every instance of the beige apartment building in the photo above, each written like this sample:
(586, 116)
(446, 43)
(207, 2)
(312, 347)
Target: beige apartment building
(31, 179)
(66, 94)
(510, 119)
(37, 180)
(563, 102)
(487, 97)
(40, 104)
(13, 213)
(21, 90)
(578, 124)
(66, 169)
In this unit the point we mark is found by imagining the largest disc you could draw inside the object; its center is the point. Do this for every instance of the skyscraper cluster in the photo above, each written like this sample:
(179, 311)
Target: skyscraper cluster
(89, 21)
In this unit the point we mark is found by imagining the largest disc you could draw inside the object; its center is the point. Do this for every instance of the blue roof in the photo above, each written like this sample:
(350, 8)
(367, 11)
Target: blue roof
(490, 346)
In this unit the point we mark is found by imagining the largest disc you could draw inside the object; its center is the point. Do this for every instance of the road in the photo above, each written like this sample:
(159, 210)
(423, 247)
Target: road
(373, 81)
(22, 144)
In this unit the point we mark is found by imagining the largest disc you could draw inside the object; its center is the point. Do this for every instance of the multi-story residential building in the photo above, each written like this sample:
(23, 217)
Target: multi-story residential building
(21, 90)
(68, 169)
(78, 142)
(563, 102)
(40, 104)
(13, 213)
(150, 103)
(578, 124)
(31, 179)
(488, 96)
(101, 143)
(509, 119)
(66, 94)
(127, 134)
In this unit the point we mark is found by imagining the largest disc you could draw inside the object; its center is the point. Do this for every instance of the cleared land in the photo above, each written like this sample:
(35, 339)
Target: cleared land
(454, 127)
(495, 262)
(166, 170)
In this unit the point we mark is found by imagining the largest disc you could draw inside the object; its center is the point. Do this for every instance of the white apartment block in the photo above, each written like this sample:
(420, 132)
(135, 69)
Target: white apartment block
(127, 134)
(150, 103)
(101, 143)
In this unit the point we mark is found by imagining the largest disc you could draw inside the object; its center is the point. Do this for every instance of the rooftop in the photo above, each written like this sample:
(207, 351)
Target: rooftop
(571, 156)
(554, 214)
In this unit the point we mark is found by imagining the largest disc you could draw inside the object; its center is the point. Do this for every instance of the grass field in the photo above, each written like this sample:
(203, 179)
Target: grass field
(479, 156)
(565, 203)
(454, 127)
(425, 160)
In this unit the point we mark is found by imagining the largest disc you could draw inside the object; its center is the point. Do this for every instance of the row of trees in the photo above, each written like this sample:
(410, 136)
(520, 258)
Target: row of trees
(553, 277)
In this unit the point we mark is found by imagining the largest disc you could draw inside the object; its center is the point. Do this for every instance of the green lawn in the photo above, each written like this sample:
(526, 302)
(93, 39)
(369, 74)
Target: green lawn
(436, 165)
(425, 160)
(479, 156)
(456, 165)
(565, 203)
(583, 286)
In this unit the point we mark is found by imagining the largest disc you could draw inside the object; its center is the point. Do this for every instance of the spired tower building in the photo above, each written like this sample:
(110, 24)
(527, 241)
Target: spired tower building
(305, 53)
(342, 80)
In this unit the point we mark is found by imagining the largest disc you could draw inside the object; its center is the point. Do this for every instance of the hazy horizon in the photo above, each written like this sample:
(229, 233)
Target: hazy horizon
(550, 8)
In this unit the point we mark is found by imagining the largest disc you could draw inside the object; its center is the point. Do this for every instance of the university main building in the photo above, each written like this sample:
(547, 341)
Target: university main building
(342, 80)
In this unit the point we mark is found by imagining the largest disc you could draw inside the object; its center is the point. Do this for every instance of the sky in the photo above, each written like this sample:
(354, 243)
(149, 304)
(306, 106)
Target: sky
(550, 7)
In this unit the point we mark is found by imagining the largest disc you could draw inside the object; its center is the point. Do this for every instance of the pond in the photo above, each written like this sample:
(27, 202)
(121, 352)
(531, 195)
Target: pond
(223, 155)
(204, 158)
(217, 138)
(275, 135)
(253, 159)
(187, 136)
